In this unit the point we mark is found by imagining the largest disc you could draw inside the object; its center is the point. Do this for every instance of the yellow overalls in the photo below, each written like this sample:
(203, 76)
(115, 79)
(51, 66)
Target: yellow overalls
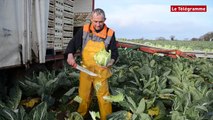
(99, 83)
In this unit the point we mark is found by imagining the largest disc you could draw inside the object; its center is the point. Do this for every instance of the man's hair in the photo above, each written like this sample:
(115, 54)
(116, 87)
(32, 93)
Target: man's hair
(98, 11)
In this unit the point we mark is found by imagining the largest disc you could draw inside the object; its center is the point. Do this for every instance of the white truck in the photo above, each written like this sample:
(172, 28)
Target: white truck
(38, 31)
(34, 35)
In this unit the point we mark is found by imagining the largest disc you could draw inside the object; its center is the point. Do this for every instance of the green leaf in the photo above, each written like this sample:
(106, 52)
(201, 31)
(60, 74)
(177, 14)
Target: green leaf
(51, 82)
(147, 70)
(148, 92)
(120, 115)
(148, 84)
(15, 97)
(78, 99)
(119, 97)
(71, 91)
(166, 91)
(2, 105)
(132, 104)
(177, 116)
(39, 112)
(8, 114)
(42, 78)
(174, 80)
(150, 102)
(74, 116)
(167, 73)
(152, 63)
(32, 84)
(201, 107)
(94, 115)
(22, 115)
(141, 106)
(135, 76)
(144, 116)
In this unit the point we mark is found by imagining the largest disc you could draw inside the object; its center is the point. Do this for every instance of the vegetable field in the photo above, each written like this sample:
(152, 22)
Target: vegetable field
(143, 87)
(186, 46)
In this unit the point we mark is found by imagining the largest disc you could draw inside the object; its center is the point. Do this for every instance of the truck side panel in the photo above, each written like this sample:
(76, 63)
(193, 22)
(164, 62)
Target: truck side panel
(29, 28)
(11, 32)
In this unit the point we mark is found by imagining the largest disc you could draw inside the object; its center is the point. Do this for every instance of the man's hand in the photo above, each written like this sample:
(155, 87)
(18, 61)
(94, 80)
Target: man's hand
(110, 63)
(71, 59)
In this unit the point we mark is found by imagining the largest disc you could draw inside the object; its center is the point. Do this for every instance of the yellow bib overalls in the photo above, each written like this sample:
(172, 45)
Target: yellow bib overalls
(99, 83)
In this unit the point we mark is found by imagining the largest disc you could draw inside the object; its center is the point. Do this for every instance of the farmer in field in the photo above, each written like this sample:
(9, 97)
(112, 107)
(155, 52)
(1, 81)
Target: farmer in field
(91, 40)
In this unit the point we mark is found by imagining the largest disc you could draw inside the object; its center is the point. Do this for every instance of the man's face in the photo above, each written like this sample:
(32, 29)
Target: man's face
(97, 21)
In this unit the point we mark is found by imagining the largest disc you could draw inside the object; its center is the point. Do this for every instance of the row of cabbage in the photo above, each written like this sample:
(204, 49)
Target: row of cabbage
(163, 88)
(143, 87)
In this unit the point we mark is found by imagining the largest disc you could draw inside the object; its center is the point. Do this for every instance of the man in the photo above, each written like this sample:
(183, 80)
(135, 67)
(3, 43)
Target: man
(91, 39)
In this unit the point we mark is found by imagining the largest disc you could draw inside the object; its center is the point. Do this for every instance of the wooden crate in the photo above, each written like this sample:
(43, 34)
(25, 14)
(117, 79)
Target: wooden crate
(68, 8)
(59, 4)
(59, 11)
(58, 46)
(67, 34)
(58, 39)
(59, 18)
(59, 25)
(58, 33)
(67, 39)
(51, 8)
(50, 45)
(69, 15)
(69, 2)
(81, 18)
(51, 23)
(50, 38)
(52, 2)
(68, 21)
(51, 16)
(51, 31)
(68, 27)
(65, 45)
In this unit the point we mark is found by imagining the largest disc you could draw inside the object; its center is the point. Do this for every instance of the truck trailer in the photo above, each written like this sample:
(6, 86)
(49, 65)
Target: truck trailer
(34, 33)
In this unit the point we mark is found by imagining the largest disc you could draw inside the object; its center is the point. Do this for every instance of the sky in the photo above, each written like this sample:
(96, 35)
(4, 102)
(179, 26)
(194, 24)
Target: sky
(151, 19)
